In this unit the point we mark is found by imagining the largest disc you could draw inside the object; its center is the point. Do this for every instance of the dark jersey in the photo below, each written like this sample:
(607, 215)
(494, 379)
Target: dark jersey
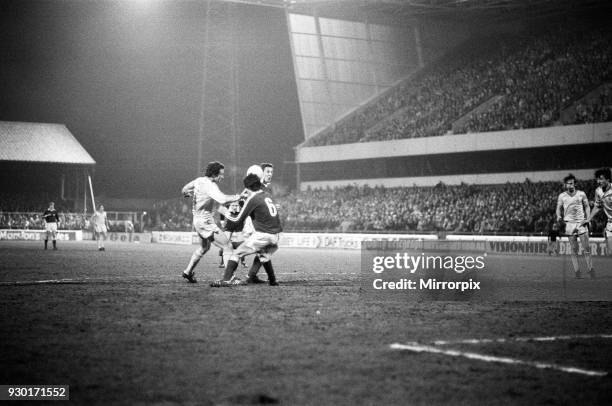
(51, 216)
(262, 210)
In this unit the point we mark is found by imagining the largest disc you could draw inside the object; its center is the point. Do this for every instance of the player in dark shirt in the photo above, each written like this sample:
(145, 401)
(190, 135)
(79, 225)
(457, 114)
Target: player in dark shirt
(553, 239)
(51, 223)
(263, 241)
(266, 180)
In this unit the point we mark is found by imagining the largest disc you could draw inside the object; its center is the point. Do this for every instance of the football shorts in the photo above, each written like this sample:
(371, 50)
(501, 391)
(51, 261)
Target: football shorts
(264, 243)
(51, 228)
(575, 229)
(205, 226)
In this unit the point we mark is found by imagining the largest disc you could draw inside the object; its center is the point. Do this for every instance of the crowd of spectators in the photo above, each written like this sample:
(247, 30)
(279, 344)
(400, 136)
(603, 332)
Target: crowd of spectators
(534, 76)
(546, 76)
(24, 211)
(510, 208)
(596, 110)
(527, 207)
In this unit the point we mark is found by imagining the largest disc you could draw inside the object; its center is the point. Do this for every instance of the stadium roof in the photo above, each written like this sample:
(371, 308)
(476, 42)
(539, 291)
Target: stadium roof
(496, 9)
(38, 142)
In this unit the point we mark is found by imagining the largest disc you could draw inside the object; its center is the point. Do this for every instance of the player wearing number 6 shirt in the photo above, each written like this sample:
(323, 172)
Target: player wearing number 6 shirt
(51, 223)
(206, 199)
(264, 240)
(572, 209)
(603, 201)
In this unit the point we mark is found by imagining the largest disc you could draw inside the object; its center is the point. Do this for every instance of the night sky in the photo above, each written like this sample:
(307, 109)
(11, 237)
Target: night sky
(125, 78)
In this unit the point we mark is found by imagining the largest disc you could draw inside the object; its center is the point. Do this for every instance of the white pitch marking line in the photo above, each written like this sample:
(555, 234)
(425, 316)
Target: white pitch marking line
(522, 339)
(415, 347)
(43, 282)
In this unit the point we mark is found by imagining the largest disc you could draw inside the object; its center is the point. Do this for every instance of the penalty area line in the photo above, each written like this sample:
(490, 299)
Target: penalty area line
(522, 339)
(415, 347)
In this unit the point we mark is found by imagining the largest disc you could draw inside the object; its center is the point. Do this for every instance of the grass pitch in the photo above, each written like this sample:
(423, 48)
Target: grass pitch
(127, 329)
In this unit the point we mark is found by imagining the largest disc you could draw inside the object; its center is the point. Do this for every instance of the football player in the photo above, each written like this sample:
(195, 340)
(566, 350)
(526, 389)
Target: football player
(51, 224)
(101, 226)
(266, 180)
(206, 198)
(572, 209)
(603, 200)
(264, 240)
(236, 236)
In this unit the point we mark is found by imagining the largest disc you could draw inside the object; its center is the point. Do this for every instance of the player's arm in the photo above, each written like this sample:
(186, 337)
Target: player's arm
(238, 219)
(188, 189)
(596, 209)
(559, 210)
(586, 206)
(215, 193)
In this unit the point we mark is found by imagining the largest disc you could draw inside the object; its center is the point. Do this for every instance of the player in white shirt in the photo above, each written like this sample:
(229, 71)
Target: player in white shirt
(572, 209)
(101, 226)
(206, 200)
(603, 200)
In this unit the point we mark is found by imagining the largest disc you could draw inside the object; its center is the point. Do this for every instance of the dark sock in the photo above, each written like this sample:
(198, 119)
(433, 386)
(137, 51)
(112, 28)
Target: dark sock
(53, 243)
(270, 271)
(46, 242)
(229, 270)
(255, 267)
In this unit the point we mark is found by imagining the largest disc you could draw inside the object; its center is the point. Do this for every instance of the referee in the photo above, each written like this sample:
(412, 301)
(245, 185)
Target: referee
(51, 223)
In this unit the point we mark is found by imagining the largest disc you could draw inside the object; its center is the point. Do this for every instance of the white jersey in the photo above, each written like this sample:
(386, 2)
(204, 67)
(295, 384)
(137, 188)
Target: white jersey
(603, 200)
(206, 197)
(99, 218)
(573, 209)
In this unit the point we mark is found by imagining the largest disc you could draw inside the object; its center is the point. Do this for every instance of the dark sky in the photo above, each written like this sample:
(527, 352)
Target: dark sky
(125, 77)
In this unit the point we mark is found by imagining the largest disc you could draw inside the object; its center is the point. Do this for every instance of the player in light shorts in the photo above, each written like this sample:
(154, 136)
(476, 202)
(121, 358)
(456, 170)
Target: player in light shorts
(603, 201)
(236, 237)
(100, 223)
(51, 222)
(206, 198)
(572, 209)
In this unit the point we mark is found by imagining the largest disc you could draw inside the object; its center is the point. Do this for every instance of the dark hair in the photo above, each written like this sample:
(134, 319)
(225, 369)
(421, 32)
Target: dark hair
(252, 182)
(605, 172)
(568, 178)
(213, 169)
(266, 165)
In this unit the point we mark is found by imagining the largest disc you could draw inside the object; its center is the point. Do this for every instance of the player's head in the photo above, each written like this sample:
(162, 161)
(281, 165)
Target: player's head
(51, 205)
(603, 177)
(215, 171)
(101, 207)
(268, 171)
(252, 182)
(570, 183)
(234, 207)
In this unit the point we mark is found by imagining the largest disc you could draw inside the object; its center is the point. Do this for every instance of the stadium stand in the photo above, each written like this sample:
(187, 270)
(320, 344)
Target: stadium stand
(528, 80)
(514, 208)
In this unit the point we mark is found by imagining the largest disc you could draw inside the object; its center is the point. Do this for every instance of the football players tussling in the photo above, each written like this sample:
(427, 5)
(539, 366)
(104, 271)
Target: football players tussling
(264, 240)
